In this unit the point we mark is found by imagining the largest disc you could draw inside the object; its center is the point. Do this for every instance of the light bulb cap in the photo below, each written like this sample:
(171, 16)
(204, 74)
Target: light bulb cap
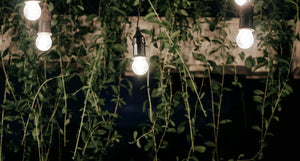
(45, 20)
(139, 44)
(251, 29)
(246, 16)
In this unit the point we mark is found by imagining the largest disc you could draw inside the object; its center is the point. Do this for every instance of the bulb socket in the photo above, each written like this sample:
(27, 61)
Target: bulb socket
(45, 20)
(246, 16)
(139, 44)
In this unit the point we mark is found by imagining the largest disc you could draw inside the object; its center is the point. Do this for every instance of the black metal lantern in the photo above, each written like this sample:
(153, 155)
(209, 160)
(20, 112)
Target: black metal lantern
(246, 16)
(138, 44)
(45, 20)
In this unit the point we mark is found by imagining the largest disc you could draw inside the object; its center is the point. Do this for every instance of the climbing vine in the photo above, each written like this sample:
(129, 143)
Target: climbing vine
(66, 101)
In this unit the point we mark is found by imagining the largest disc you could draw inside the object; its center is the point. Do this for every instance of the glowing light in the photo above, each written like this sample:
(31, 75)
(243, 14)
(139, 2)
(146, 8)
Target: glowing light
(241, 2)
(43, 41)
(140, 65)
(245, 38)
(32, 10)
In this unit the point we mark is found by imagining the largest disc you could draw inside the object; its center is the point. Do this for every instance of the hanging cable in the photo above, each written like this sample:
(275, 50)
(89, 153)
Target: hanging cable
(139, 13)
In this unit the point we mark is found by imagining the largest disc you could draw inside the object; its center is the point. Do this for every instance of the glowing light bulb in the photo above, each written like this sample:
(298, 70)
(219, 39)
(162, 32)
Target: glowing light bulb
(43, 41)
(140, 65)
(245, 38)
(241, 2)
(32, 10)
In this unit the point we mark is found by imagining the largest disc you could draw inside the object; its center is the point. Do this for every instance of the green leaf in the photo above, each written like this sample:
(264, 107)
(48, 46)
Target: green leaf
(225, 121)
(249, 62)
(258, 92)
(149, 15)
(138, 144)
(171, 130)
(145, 103)
(256, 128)
(5, 52)
(135, 133)
(202, 95)
(136, 2)
(80, 7)
(258, 99)
(101, 132)
(181, 128)
(162, 35)
(10, 118)
(210, 144)
(175, 34)
(241, 156)
(213, 64)
(227, 89)
(148, 146)
(230, 59)
(42, 98)
(157, 92)
(67, 122)
(90, 17)
(183, 12)
(289, 88)
(69, 1)
(50, 6)
(260, 109)
(199, 57)
(118, 10)
(242, 55)
(172, 122)
(200, 149)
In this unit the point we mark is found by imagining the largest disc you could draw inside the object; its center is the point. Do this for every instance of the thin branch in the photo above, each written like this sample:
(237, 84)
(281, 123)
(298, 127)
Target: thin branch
(33, 103)
(65, 99)
(180, 57)
(149, 97)
(86, 100)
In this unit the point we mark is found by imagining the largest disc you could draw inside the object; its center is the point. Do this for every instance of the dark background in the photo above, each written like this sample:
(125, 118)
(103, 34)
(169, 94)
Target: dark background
(235, 138)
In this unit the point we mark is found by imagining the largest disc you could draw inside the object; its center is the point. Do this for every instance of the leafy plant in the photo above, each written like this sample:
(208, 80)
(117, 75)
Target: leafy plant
(65, 101)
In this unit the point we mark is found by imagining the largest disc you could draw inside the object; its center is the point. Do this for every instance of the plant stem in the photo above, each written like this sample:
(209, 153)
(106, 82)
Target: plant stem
(50, 142)
(213, 112)
(1, 132)
(149, 97)
(181, 59)
(33, 103)
(89, 85)
(2, 113)
(65, 108)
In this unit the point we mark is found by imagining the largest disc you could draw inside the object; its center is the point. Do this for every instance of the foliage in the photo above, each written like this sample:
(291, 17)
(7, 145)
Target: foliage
(40, 92)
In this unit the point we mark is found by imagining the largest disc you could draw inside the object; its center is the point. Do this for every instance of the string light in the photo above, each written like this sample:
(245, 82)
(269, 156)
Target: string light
(245, 38)
(43, 41)
(140, 65)
(32, 10)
